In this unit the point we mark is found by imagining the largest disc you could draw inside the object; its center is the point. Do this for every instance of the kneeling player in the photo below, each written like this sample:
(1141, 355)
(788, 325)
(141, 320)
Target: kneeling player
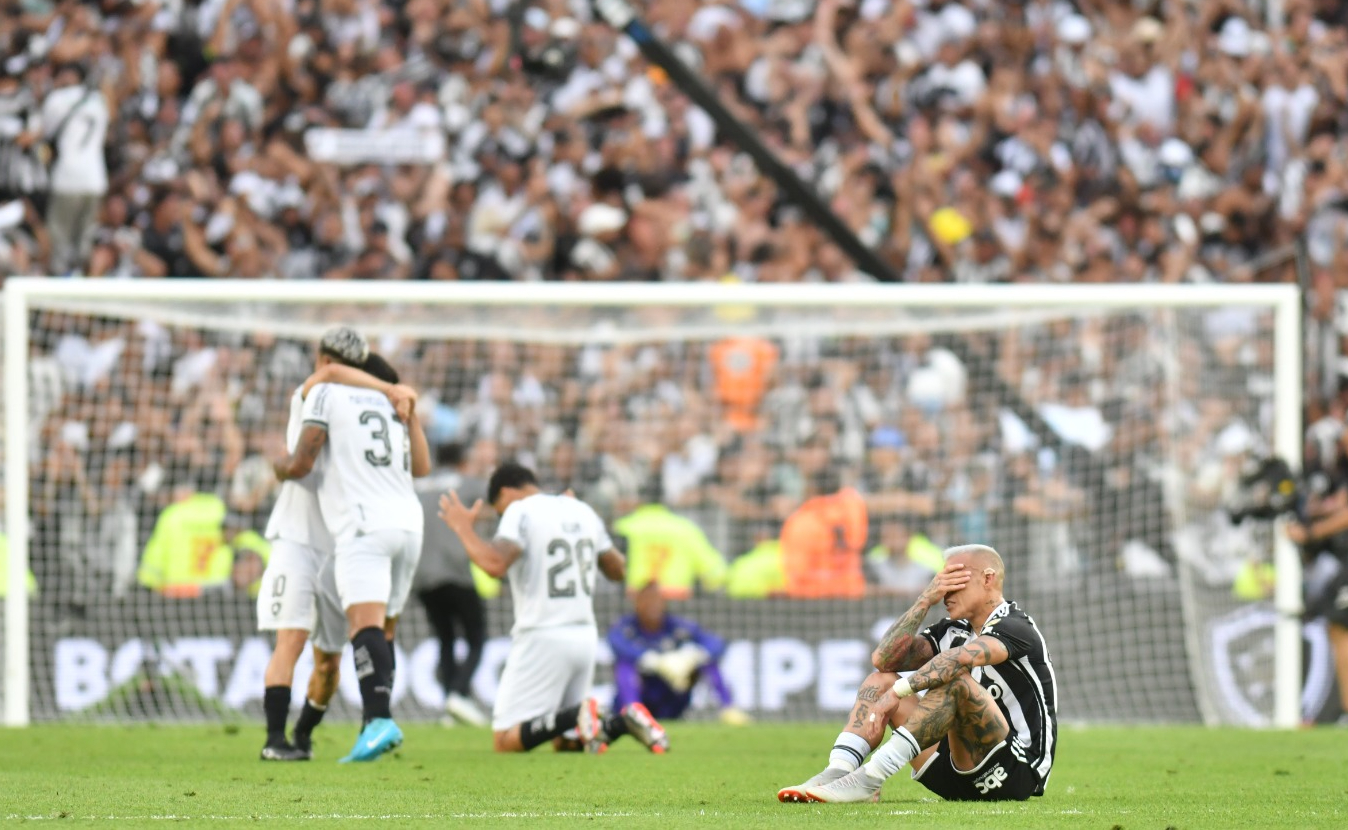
(549, 547)
(985, 730)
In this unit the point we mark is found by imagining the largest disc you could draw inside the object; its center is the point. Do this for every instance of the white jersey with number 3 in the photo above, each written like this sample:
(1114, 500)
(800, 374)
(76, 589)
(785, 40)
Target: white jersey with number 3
(296, 517)
(367, 482)
(552, 582)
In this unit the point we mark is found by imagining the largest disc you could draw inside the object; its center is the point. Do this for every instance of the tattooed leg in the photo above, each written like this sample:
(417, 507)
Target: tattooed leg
(977, 725)
(868, 718)
(865, 726)
(961, 709)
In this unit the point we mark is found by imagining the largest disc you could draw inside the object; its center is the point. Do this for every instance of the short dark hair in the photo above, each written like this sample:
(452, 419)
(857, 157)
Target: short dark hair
(449, 455)
(510, 474)
(377, 366)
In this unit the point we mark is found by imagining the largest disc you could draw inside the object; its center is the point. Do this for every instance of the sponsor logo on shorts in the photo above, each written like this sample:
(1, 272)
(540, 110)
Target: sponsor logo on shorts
(994, 779)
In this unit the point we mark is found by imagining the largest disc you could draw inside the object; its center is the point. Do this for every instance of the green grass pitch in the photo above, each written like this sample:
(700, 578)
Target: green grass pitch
(1153, 777)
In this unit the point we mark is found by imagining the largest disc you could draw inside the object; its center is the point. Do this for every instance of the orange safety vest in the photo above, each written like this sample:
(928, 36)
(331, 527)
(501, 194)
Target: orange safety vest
(742, 367)
(822, 544)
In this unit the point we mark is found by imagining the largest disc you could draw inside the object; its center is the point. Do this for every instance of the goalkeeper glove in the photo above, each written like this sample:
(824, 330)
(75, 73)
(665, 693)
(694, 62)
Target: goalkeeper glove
(649, 662)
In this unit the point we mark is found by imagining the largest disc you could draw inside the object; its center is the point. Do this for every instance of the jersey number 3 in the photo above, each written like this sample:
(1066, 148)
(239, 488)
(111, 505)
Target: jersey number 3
(561, 582)
(382, 454)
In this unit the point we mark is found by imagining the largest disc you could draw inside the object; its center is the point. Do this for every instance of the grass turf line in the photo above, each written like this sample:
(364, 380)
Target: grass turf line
(1146, 777)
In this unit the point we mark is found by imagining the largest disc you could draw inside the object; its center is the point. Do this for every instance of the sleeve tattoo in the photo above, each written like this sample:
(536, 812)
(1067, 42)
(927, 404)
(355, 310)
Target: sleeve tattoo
(941, 669)
(901, 649)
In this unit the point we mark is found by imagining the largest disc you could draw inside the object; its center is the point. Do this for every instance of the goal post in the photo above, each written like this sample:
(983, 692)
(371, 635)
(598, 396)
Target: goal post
(855, 317)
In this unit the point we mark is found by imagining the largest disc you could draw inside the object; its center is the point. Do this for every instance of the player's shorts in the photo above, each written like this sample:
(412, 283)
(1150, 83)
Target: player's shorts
(547, 669)
(378, 567)
(285, 598)
(1001, 776)
(330, 629)
(1331, 601)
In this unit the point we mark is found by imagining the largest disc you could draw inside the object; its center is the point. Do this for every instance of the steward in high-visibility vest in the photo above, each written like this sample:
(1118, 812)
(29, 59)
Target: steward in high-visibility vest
(667, 548)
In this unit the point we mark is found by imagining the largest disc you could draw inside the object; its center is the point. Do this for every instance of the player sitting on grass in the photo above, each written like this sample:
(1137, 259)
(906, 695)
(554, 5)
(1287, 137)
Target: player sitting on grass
(549, 547)
(300, 545)
(985, 730)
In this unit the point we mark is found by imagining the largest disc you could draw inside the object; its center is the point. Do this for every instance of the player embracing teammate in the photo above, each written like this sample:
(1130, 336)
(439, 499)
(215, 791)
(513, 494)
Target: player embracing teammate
(353, 459)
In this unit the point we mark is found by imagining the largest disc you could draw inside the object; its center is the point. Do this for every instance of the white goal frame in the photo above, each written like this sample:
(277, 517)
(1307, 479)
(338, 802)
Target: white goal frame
(1284, 300)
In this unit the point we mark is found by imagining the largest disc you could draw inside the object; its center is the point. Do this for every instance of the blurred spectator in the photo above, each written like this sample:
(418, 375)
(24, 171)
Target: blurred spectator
(188, 553)
(902, 562)
(75, 123)
(671, 550)
(822, 546)
(757, 573)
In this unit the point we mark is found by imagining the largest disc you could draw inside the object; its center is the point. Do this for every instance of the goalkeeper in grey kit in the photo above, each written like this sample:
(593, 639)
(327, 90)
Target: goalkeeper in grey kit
(658, 658)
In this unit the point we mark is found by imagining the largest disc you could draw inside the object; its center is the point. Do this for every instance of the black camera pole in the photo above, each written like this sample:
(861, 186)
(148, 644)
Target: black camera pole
(621, 16)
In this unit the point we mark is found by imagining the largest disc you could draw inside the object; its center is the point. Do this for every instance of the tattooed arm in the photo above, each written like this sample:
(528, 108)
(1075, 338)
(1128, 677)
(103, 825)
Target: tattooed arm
(301, 461)
(901, 649)
(941, 669)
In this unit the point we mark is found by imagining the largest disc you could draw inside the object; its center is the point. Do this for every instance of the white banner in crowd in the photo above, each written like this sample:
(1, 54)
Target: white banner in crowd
(398, 146)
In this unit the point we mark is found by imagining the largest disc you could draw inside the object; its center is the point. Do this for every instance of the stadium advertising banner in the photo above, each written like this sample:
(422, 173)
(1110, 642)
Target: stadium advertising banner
(786, 660)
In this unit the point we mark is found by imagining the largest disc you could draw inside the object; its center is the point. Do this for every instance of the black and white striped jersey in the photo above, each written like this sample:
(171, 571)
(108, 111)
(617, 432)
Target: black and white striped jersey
(1024, 685)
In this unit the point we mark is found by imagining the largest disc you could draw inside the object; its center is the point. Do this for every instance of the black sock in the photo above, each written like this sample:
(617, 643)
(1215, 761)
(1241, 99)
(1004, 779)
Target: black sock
(540, 730)
(374, 665)
(392, 666)
(614, 726)
(276, 703)
(310, 716)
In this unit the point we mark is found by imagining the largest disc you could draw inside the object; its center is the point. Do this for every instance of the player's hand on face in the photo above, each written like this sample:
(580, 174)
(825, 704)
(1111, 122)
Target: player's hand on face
(455, 514)
(1296, 533)
(952, 577)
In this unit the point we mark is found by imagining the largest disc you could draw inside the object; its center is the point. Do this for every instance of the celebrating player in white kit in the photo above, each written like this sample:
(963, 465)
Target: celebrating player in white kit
(375, 519)
(300, 545)
(549, 547)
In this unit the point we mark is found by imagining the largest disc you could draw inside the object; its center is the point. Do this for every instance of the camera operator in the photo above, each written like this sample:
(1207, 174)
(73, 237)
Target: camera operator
(1322, 530)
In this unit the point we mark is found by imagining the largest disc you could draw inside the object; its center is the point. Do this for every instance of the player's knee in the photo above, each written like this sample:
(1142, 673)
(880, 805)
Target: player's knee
(881, 680)
(505, 741)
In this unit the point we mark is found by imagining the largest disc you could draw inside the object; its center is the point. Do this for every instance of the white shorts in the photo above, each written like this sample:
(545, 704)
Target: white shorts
(285, 597)
(330, 629)
(547, 669)
(378, 567)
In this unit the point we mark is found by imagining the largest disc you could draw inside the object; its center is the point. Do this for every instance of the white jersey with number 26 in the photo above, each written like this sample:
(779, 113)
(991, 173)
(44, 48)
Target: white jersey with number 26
(367, 483)
(552, 582)
(296, 517)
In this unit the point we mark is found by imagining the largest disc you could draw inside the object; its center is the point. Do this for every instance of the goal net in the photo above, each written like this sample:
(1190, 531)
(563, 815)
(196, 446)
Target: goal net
(1091, 434)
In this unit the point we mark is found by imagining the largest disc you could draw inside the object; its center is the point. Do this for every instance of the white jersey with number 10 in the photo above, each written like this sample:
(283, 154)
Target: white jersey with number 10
(367, 483)
(552, 583)
(296, 516)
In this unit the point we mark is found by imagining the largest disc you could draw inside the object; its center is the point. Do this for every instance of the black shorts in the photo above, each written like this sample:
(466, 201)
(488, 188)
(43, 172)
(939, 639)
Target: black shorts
(1002, 776)
(1333, 602)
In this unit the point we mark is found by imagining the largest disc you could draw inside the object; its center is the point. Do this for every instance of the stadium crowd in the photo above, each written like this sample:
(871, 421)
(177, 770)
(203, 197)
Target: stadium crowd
(971, 141)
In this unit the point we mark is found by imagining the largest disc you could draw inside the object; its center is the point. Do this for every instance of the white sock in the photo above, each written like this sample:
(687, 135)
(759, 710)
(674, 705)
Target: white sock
(890, 758)
(849, 751)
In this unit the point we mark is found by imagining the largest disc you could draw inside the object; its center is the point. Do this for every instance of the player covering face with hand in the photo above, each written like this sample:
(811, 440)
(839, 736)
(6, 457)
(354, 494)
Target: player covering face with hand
(976, 718)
